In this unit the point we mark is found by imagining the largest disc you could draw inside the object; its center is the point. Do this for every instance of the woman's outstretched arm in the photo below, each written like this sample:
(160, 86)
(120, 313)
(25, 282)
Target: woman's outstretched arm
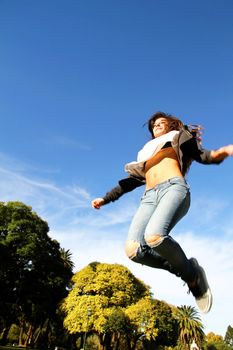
(125, 185)
(221, 153)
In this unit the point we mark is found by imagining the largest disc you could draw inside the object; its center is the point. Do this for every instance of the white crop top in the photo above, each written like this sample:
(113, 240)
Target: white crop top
(150, 149)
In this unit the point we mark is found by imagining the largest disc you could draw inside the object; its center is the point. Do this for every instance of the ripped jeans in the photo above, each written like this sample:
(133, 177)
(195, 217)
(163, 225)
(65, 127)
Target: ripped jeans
(160, 209)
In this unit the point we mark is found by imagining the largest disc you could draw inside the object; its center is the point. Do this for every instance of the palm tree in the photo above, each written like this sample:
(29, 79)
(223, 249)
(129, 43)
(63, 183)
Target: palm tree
(190, 326)
(66, 256)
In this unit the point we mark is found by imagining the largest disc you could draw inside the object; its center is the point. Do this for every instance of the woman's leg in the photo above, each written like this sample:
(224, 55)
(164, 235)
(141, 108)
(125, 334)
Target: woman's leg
(160, 209)
(172, 200)
(136, 247)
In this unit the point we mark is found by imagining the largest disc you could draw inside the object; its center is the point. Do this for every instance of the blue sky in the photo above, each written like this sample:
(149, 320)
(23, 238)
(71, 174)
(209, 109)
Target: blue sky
(78, 79)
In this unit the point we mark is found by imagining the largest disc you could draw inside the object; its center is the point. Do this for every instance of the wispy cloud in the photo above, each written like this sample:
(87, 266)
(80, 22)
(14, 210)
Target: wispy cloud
(66, 142)
(50, 200)
(64, 206)
(212, 207)
(105, 217)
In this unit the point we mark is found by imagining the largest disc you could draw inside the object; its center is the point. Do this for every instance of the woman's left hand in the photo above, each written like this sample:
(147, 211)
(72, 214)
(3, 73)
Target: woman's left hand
(222, 152)
(228, 149)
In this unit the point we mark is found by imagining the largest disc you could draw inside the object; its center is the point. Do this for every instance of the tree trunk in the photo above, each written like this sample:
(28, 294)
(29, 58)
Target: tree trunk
(116, 342)
(3, 340)
(107, 342)
(29, 336)
(21, 332)
(37, 333)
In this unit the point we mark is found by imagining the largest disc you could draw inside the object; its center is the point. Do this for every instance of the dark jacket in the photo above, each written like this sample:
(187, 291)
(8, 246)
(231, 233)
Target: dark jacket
(189, 149)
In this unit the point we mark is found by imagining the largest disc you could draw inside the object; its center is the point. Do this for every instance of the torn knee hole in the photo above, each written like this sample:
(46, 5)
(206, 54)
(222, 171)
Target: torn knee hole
(131, 248)
(154, 240)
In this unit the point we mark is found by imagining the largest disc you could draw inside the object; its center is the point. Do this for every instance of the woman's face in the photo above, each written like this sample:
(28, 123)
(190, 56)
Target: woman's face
(160, 127)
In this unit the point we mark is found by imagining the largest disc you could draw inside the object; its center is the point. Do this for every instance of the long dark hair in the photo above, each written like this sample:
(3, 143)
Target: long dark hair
(173, 122)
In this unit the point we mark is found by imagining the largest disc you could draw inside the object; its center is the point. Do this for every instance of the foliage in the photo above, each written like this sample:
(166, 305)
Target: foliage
(189, 325)
(33, 273)
(216, 342)
(100, 288)
(142, 318)
(229, 336)
(213, 338)
(107, 299)
(166, 323)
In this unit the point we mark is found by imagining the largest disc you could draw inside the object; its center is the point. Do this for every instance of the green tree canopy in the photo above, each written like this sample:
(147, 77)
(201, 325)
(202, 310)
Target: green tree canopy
(229, 336)
(190, 326)
(100, 288)
(213, 338)
(216, 342)
(109, 300)
(33, 274)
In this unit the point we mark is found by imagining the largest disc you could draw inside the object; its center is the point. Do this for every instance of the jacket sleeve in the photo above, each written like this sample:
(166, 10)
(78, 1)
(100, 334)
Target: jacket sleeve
(125, 185)
(191, 148)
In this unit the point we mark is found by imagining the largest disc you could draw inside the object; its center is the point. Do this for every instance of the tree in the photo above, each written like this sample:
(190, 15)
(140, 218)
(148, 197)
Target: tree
(166, 324)
(153, 323)
(229, 336)
(142, 317)
(213, 338)
(189, 325)
(7, 274)
(109, 301)
(66, 257)
(216, 342)
(34, 274)
(105, 290)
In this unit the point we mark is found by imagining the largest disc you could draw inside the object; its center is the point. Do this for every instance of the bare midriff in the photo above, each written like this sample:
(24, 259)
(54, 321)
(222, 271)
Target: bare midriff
(162, 166)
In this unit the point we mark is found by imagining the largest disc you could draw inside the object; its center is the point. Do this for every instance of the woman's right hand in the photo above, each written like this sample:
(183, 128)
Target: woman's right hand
(97, 203)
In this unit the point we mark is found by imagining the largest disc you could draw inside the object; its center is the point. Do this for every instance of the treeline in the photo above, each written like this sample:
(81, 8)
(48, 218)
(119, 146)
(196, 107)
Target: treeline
(102, 307)
(35, 275)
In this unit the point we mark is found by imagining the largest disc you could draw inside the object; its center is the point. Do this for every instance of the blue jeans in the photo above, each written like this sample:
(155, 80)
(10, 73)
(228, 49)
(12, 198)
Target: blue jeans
(160, 209)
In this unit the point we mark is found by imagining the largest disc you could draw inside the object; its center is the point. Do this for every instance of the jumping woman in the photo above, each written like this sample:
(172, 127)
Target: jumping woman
(161, 166)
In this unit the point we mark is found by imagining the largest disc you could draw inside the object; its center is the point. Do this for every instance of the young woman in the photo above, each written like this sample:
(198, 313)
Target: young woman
(161, 166)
